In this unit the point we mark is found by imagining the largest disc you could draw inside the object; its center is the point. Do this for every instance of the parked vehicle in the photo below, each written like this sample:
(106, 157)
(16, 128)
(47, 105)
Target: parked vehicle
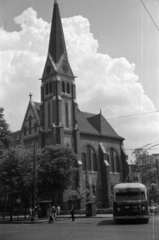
(130, 202)
(154, 209)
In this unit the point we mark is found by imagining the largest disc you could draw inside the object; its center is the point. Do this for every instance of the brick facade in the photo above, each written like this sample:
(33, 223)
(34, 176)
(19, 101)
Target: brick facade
(58, 120)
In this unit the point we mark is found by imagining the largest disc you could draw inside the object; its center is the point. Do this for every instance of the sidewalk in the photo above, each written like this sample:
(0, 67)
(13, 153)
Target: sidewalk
(44, 220)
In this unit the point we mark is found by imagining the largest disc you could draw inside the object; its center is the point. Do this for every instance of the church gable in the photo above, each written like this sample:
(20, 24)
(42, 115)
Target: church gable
(63, 66)
(31, 123)
(50, 67)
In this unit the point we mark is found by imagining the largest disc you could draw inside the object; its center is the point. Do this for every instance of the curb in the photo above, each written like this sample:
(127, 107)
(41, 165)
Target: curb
(60, 218)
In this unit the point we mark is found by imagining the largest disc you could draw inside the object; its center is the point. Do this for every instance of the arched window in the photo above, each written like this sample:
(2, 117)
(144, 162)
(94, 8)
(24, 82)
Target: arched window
(66, 115)
(93, 190)
(113, 161)
(49, 116)
(46, 89)
(35, 127)
(68, 88)
(50, 87)
(63, 86)
(53, 111)
(83, 161)
(94, 162)
(89, 159)
(24, 131)
(117, 163)
(29, 124)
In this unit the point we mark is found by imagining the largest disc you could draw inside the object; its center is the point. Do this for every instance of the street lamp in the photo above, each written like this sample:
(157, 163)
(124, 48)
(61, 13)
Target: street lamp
(34, 204)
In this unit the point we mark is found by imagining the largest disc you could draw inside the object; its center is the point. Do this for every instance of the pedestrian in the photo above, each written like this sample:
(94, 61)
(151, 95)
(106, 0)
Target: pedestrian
(58, 209)
(72, 211)
(39, 211)
(50, 215)
(54, 213)
(30, 212)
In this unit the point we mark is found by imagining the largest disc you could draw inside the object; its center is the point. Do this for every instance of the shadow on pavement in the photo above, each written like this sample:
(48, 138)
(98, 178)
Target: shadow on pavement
(106, 222)
(124, 222)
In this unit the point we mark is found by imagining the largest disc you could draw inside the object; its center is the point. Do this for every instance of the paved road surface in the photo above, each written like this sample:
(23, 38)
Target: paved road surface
(81, 229)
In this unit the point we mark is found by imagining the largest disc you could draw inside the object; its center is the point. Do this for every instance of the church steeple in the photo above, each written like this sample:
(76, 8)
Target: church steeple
(58, 91)
(57, 46)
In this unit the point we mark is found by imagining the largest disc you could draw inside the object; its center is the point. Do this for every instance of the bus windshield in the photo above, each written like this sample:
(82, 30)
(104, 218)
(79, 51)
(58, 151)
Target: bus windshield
(130, 196)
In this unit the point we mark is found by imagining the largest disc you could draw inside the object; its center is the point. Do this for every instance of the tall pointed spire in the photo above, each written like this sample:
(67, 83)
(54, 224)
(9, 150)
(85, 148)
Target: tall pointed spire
(57, 44)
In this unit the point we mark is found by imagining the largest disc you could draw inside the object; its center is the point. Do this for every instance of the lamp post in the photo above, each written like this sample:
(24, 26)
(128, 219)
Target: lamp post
(87, 191)
(34, 205)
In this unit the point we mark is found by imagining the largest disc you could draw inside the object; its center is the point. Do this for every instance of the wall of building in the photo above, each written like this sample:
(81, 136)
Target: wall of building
(102, 179)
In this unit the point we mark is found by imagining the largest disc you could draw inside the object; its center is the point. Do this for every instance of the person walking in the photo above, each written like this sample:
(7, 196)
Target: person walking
(58, 209)
(50, 215)
(54, 214)
(72, 212)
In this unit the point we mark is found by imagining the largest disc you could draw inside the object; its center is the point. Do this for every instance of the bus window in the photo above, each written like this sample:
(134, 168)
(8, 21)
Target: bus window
(130, 196)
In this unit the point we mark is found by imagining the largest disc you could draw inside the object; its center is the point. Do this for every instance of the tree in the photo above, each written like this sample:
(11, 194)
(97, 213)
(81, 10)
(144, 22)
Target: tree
(5, 137)
(56, 168)
(149, 171)
(16, 173)
(79, 195)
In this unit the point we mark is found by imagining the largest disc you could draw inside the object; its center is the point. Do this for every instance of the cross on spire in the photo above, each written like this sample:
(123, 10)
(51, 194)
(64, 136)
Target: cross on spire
(30, 95)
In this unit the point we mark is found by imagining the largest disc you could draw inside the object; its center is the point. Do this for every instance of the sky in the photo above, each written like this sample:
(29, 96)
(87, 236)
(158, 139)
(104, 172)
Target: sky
(113, 49)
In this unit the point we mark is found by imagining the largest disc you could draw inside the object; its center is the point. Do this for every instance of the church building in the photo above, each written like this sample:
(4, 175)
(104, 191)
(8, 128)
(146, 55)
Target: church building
(57, 119)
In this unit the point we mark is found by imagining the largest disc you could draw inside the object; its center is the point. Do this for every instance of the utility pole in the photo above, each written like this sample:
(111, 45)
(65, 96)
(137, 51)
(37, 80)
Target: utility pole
(34, 205)
(157, 158)
(87, 191)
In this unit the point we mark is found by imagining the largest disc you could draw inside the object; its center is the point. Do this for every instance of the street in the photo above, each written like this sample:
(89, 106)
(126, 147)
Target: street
(81, 229)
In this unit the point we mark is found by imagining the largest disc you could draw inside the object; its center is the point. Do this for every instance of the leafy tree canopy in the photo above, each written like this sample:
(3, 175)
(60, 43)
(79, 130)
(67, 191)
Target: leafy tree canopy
(56, 168)
(16, 170)
(148, 168)
(5, 137)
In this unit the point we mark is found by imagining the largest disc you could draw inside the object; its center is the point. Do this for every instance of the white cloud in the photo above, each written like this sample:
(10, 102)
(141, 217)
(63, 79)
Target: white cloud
(102, 82)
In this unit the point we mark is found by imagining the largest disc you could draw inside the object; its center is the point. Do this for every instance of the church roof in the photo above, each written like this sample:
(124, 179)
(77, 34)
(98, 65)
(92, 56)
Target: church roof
(88, 122)
(57, 46)
(36, 107)
(84, 125)
(96, 123)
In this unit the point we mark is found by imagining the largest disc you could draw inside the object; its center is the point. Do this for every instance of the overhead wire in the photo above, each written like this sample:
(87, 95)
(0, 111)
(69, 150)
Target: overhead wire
(149, 15)
(131, 115)
(125, 116)
(148, 144)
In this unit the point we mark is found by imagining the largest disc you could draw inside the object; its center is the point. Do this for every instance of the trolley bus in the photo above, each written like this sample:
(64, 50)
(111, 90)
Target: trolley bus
(130, 202)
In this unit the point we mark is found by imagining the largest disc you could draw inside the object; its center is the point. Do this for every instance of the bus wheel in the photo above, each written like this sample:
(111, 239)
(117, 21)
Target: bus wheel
(145, 221)
(117, 221)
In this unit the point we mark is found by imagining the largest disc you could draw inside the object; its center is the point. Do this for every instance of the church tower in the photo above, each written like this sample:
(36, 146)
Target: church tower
(58, 110)
(101, 159)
